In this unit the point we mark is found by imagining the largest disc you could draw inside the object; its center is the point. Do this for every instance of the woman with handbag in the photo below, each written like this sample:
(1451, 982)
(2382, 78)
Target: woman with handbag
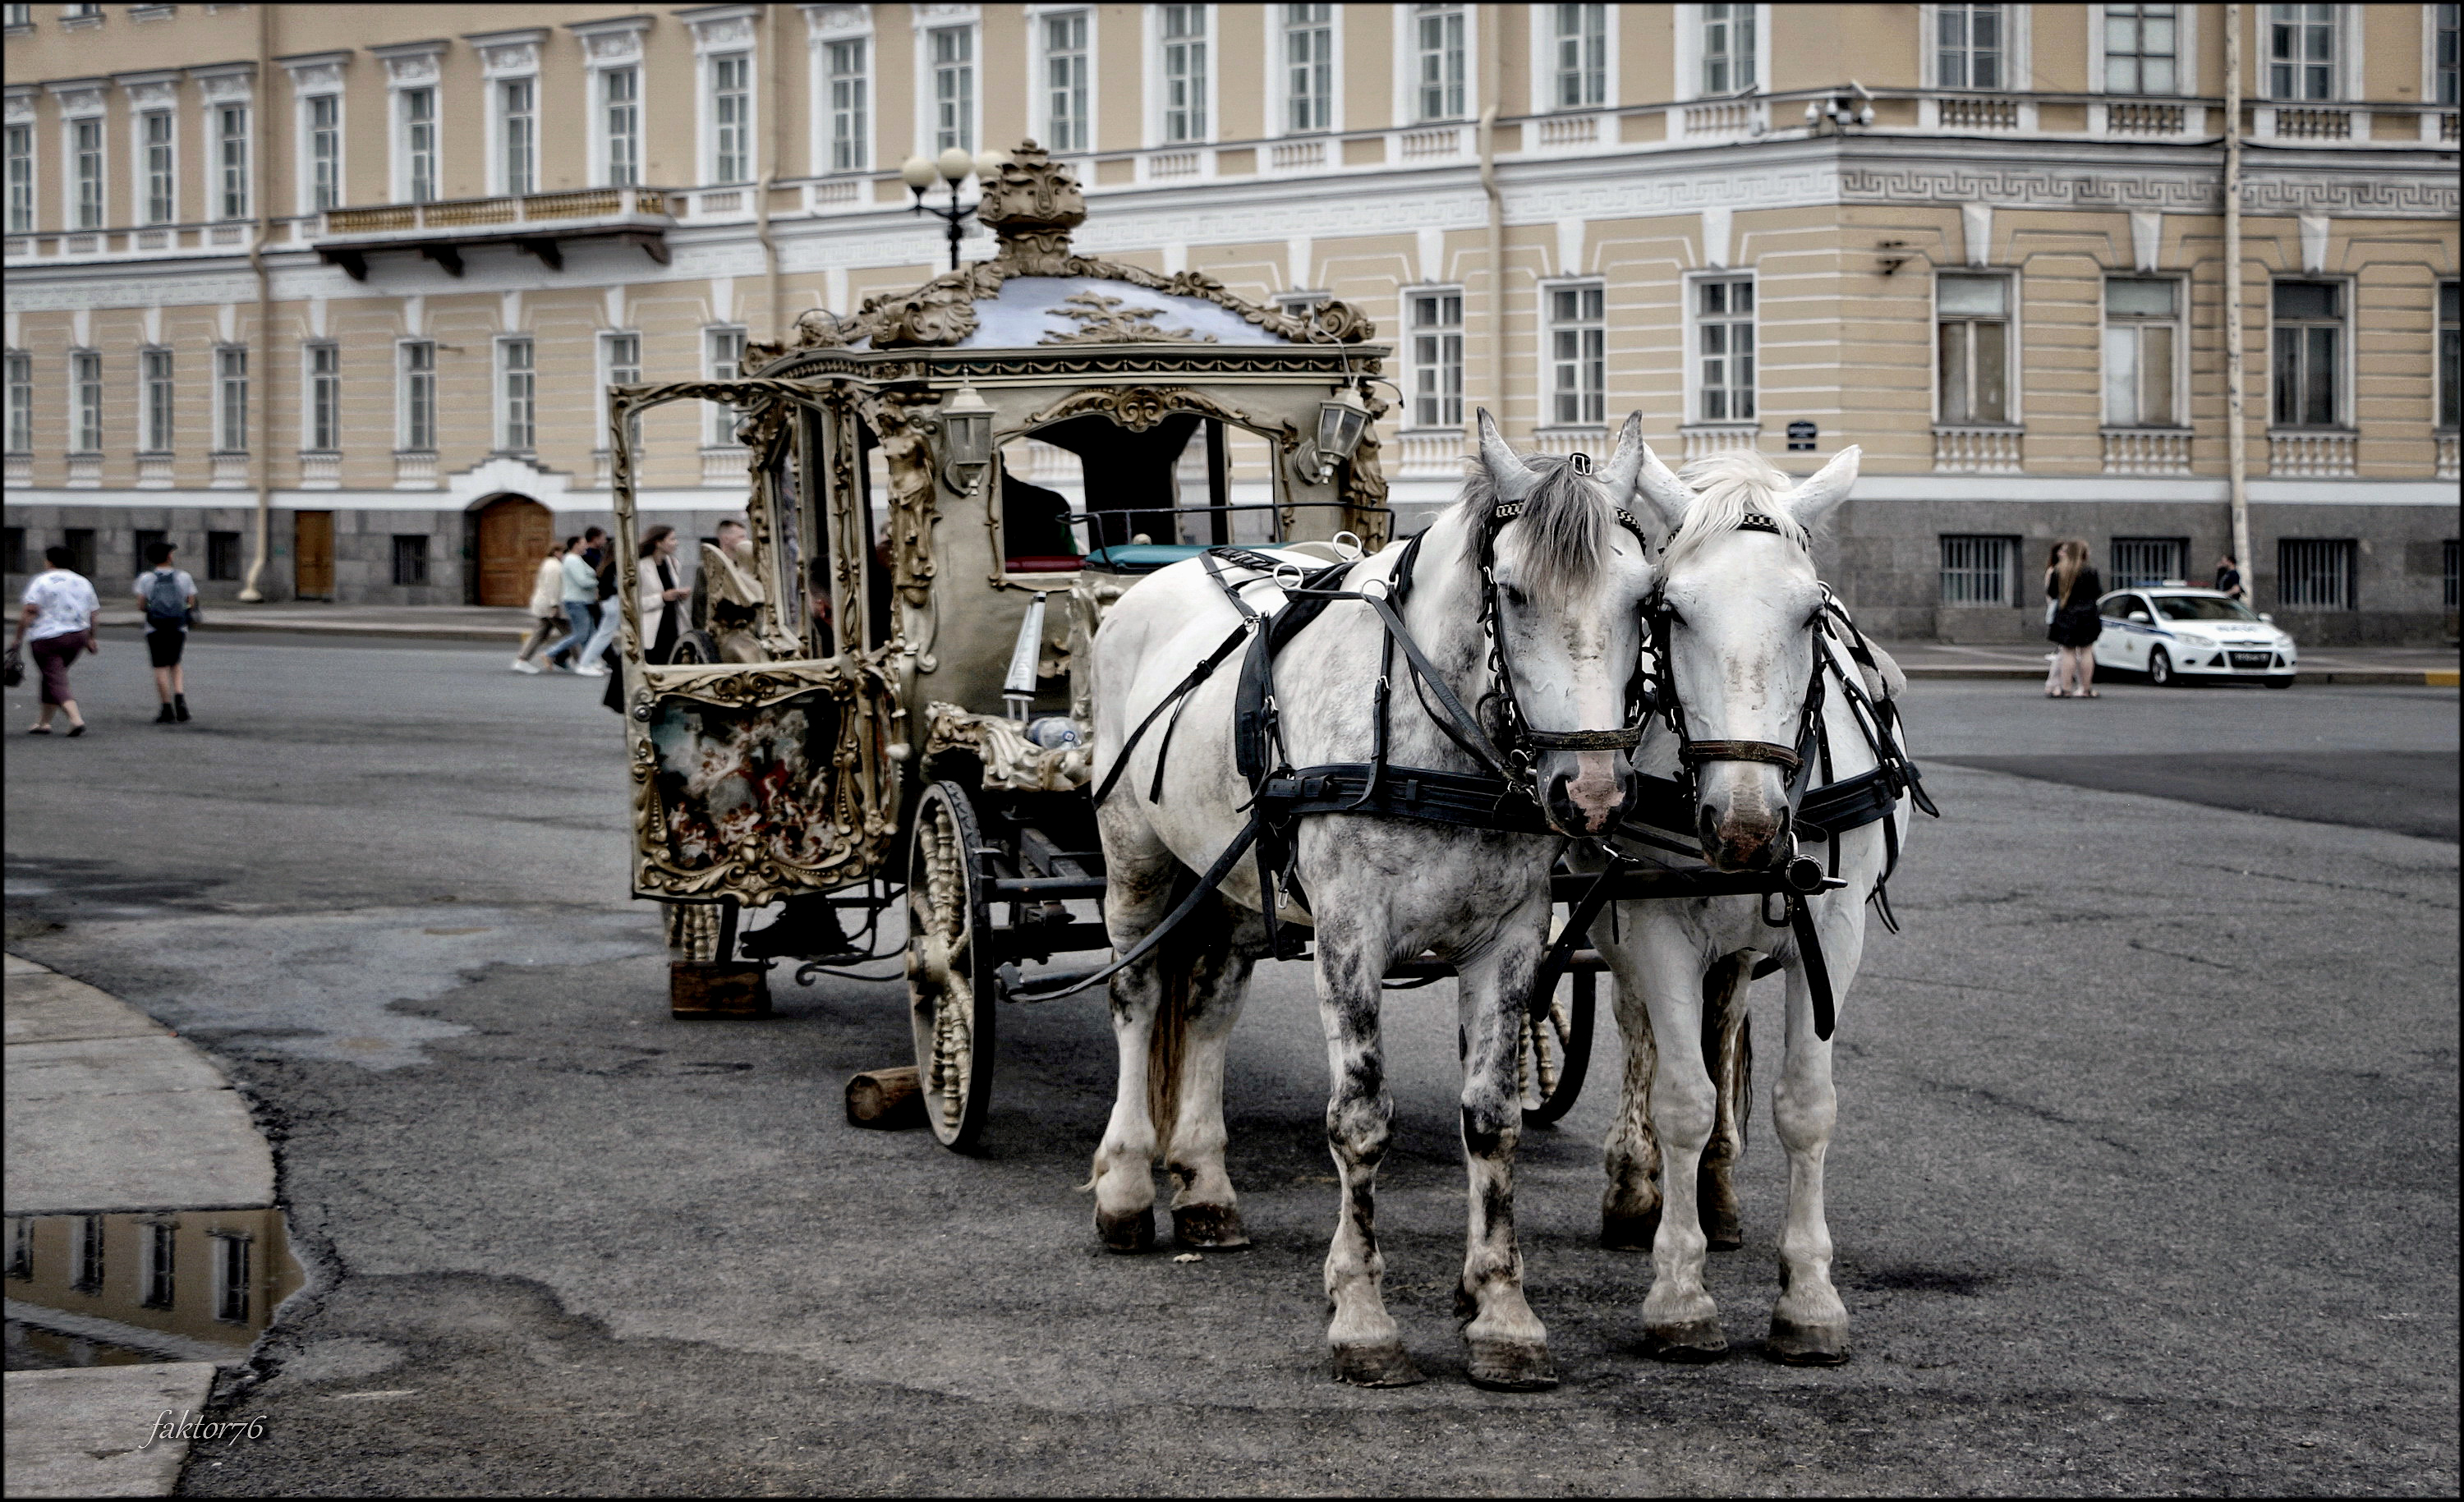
(58, 624)
(170, 597)
(2073, 588)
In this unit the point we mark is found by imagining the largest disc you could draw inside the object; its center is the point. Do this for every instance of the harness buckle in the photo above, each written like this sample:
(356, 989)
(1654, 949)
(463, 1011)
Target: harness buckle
(1348, 544)
(1281, 579)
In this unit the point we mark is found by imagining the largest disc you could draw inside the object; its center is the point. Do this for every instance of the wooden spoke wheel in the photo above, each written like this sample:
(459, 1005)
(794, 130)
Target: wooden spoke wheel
(1558, 1048)
(953, 983)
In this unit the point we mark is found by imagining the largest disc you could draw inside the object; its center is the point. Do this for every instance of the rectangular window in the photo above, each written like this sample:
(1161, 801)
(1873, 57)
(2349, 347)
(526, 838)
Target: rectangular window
(2141, 331)
(2149, 560)
(139, 540)
(1437, 39)
(82, 556)
(154, 369)
(1976, 571)
(2443, 63)
(2447, 571)
(419, 145)
(619, 355)
(518, 393)
(2451, 357)
(1582, 53)
(411, 558)
(1724, 321)
(21, 1228)
(1728, 48)
(1064, 81)
(231, 1279)
(161, 177)
(21, 178)
(731, 115)
(1308, 69)
(21, 15)
(1184, 73)
(2302, 51)
(2314, 574)
(418, 430)
(1972, 333)
(2141, 43)
(725, 357)
(86, 398)
(231, 155)
(231, 399)
(1578, 356)
(87, 1259)
(325, 397)
(847, 66)
(620, 117)
(85, 137)
(13, 559)
(222, 555)
(2307, 365)
(1969, 47)
(954, 87)
(21, 403)
(515, 124)
(160, 1274)
(1436, 360)
(325, 151)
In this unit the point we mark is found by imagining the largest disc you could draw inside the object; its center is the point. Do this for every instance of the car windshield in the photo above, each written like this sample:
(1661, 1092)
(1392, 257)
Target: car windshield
(2202, 607)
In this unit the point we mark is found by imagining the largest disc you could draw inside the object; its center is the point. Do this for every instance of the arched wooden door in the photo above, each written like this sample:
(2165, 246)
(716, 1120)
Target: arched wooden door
(515, 534)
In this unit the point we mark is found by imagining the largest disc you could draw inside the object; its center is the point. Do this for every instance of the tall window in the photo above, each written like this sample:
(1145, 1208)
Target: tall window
(1972, 338)
(1436, 360)
(1309, 68)
(1578, 356)
(2443, 60)
(1184, 73)
(418, 430)
(85, 140)
(1581, 63)
(1724, 323)
(620, 357)
(154, 372)
(1438, 40)
(519, 394)
(731, 115)
(21, 15)
(231, 399)
(231, 1279)
(159, 1273)
(2307, 368)
(515, 128)
(85, 399)
(1976, 571)
(21, 178)
(21, 403)
(2141, 43)
(325, 151)
(419, 145)
(231, 158)
(954, 87)
(325, 397)
(724, 357)
(1064, 74)
(851, 93)
(1969, 47)
(1728, 47)
(2314, 573)
(2141, 330)
(2451, 357)
(2302, 51)
(161, 177)
(620, 117)
(87, 1274)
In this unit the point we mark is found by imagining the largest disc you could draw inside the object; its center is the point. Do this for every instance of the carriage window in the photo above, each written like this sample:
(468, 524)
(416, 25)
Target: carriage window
(1086, 486)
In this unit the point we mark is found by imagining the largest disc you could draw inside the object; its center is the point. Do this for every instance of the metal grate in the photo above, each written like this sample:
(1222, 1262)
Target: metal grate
(2149, 560)
(2315, 574)
(1976, 571)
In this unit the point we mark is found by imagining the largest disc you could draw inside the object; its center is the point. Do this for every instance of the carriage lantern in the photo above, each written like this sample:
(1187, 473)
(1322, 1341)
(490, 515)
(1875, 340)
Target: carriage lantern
(1340, 420)
(967, 431)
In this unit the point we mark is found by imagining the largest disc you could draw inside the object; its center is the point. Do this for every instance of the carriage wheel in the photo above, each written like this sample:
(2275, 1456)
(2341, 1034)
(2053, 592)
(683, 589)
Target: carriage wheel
(1557, 1049)
(951, 983)
(692, 647)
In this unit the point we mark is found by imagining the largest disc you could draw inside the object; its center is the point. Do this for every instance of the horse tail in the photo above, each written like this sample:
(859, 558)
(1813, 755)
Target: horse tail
(1167, 1048)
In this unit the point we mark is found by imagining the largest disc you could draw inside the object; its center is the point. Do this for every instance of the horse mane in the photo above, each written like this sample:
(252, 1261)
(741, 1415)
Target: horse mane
(1726, 486)
(1565, 525)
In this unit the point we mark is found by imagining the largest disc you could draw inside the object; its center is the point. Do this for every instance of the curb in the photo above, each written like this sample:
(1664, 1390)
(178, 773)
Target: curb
(409, 633)
(2414, 677)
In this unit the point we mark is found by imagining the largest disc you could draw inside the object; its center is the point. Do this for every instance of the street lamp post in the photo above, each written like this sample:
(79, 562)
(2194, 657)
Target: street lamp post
(952, 166)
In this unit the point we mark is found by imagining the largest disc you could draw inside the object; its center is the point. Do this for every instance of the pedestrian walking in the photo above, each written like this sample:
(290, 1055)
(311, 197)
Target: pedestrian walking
(578, 578)
(2053, 659)
(594, 659)
(170, 597)
(2073, 588)
(2229, 577)
(660, 593)
(57, 624)
(548, 596)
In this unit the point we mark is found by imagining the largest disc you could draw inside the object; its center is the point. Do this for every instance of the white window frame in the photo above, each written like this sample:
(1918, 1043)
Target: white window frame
(2344, 72)
(233, 198)
(1697, 404)
(1407, 66)
(1159, 101)
(158, 400)
(73, 177)
(2013, 393)
(829, 27)
(142, 164)
(608, 369)
(312, 397)
(512, 154)
(2445, 385)
(2186, 55)
(1581, 422)
(407, 398)
(712, 167)
(513, 436)
(309, 159)
(2017, 52)
(230, 399)
(1544, 61)
(2429, 67)
(25, 183)
(928, 106)
(86, 396)
(721, 431)
(2177, 378)
(1688, 54)
(613, 47)
(1039, 81)
(1279, 74)
(2009, 548)
(1415, 367)
(18, 377)
(406, 151)
(604, 135)
(2341, 421)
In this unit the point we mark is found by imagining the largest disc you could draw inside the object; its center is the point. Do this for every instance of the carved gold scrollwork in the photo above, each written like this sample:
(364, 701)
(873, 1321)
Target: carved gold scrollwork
(898, 419)
(1139, 408)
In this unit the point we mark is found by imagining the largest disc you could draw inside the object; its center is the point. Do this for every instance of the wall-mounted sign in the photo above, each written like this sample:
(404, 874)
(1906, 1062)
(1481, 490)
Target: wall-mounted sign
(1801, 437)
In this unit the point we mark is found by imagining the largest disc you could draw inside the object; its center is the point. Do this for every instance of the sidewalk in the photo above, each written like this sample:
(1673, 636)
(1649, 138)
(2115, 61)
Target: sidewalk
(108, 1113)
(2416, 666)
(431, 622)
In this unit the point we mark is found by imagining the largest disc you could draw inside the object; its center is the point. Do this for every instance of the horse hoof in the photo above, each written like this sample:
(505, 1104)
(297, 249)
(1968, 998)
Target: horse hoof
(1629, 1233)
(1382, 1365)
(1694, 1342)
(1793, 1344)
(1722, 1230)
(1132, 1232)
(1511, 1365)
(1216, 1228)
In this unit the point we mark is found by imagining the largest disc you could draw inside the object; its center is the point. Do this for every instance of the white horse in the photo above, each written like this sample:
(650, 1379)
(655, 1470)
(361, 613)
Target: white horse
(1743, 629)
(1559, 608)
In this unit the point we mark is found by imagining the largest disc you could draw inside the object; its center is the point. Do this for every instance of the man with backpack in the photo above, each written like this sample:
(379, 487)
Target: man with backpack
(170, 599)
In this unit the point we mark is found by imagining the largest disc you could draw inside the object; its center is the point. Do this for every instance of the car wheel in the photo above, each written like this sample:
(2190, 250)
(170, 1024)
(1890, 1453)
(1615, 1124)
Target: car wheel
(2280, 681)
(2160, 668)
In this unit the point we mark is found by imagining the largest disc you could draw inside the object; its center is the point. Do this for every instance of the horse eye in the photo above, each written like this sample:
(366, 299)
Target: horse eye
(1513, 596)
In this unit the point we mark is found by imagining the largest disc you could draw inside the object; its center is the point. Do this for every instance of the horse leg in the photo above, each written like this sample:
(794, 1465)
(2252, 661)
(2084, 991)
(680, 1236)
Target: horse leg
(1508, 1347)
(1367, 1347)
(1665, 966)
(1728, 1053)
(1808, 1324)
(1138, 895)
(1204, 1210)
(1630, 1208)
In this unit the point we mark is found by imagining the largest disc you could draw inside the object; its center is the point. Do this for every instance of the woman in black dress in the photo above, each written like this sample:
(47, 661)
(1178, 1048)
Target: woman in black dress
(2073, 587)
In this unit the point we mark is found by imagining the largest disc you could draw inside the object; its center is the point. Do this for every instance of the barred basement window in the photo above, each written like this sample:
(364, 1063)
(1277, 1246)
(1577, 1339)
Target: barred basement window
(139, 540)
(2149, 560)
(1976, 571)
(1578, 356)
(222, 555)
(82, 556)
(411, 558)
(2315, 574)
(1436, 360)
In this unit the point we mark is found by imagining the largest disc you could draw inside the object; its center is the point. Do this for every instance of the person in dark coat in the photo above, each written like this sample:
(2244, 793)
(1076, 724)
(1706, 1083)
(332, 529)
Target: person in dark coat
(2073, 588)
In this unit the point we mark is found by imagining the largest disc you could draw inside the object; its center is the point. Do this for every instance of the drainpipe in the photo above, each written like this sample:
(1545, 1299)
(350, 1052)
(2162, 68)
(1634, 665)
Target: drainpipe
(1486, 136)
(261, 356)
(2236, 412)
(769, 168)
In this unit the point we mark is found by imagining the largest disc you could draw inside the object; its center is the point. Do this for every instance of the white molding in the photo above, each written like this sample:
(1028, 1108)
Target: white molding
(925, 20)
(2018, 63)
(1277, 93)
(315, 73)
(155, 89)
(19, 108)
(824, 25)
(1153, 77)
(79, 98)
(412, 65)
(617, 43)
(837, 22)
(1542, 44)
(508, 54)
(1689, 357)
(225, 82)
(721, 29)
(1405, 110)
(1037, 115)
(2185, 54)
(2147, 488)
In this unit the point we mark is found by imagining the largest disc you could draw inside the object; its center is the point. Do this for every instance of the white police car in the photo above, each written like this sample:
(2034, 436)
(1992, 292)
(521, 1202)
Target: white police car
(2172, 634)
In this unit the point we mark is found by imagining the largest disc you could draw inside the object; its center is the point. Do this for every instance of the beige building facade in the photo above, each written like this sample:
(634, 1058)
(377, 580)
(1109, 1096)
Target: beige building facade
(363, 270)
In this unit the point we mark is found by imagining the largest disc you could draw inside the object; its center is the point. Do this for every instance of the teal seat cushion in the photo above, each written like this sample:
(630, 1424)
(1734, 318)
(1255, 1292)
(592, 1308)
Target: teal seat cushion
(1142, 558)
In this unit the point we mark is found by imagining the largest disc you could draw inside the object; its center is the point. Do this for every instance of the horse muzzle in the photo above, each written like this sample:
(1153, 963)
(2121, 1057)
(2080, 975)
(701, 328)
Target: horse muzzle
(1743, 818)
(1594, 797)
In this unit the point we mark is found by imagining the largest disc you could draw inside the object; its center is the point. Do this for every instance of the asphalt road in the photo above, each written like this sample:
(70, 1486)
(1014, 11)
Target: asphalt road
(2146, 1176)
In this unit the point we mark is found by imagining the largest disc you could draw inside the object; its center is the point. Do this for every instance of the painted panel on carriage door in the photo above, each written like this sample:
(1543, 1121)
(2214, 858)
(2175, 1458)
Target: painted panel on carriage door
(747, 787)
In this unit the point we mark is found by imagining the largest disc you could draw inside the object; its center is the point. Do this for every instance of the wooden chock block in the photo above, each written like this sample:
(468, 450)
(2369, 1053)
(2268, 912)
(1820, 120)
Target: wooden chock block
(888, 1099)
(717, 989)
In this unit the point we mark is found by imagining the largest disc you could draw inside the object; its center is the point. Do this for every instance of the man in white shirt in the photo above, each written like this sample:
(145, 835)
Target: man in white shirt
(57, 623)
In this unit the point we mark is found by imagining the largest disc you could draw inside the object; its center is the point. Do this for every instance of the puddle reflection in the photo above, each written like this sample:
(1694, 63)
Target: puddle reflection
(117, 1289)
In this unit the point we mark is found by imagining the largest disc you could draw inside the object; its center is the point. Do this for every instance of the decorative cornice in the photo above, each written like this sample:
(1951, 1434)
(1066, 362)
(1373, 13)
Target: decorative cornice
(20, 104)
(612, 43)
(411, 64)
(79, 96)
(945, 12)
(149, 91)
(835, 21)
(315, 73)
(225, 82)
(508, 54)
(720, 28)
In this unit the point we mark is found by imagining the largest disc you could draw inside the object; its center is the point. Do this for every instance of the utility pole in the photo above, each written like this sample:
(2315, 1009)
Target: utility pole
(2237, 413)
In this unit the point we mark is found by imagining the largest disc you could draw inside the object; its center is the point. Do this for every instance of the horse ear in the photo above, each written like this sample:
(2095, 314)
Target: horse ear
(1617, 480)
(1811, 501)
(1507, 471)
(1670, 497)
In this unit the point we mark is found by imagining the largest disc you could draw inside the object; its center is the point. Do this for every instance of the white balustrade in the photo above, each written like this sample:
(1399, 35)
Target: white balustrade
(319, 469)
(1705, 439)
(1976, 451)
(1296, 156)
(2447, 456)
(1557, 132)
(154, 471)
(1431, 455)
(2310, 124)
(1724, 117)
(2312, 456)
(1968, 113)
(725, 465)
(229, 472)
(414, 470)
(2142, 118)
(838, 193)
(1430, 144)
(21, 469)
(1165, 166)
(1561, 441)
(2146, 450)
